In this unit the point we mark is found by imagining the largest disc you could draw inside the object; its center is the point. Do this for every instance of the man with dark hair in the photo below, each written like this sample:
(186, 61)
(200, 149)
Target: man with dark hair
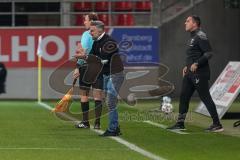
(197, 20)
(3, 75)
(86, 46)
(106, 48)
(196, 74)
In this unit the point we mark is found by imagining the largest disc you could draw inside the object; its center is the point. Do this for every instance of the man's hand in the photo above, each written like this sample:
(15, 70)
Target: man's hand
(184, 71)
(76, 73)
(80, 56)
(194, 67)
(79, 48)
(80, 52)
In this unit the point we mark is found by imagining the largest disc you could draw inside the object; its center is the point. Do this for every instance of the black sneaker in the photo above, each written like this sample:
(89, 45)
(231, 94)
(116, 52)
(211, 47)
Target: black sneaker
(118, 130)
(111, 133)
(215, 128)
(97, 126)
(177, 126)
(82, 125)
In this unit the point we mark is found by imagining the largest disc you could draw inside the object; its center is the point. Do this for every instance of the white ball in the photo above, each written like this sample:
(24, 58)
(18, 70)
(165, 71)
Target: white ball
(131, 99)
(167, 108)
(166, 99)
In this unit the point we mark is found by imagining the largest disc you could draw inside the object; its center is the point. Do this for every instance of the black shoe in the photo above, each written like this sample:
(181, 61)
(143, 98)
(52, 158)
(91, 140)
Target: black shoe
(97, 126)
(112, 133)
(118, 130)
(215, 128)
(82, 125)
(177, 126)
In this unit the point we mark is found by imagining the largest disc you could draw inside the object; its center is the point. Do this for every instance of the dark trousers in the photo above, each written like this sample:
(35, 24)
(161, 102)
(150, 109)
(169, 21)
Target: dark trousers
(192, 82)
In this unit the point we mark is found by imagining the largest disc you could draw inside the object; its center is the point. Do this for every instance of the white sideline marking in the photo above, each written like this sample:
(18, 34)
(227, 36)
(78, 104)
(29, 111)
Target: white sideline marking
(45, 105)
(164, 127)
(118, 139)
(132, 146)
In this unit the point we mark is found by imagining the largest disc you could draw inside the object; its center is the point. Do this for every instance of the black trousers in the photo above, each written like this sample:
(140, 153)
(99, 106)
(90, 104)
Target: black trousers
(190, 83)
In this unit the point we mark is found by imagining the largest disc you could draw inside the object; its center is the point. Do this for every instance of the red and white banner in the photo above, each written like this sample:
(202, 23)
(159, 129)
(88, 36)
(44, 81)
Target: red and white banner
(225, 89)
(18, 47)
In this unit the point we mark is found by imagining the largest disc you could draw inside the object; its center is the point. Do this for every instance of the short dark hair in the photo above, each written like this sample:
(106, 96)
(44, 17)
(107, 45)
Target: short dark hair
(92, 16)
(196, 19)
(98, 24)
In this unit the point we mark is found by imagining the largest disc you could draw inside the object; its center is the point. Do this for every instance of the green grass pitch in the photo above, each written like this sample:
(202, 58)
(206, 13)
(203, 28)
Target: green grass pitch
(28, 131)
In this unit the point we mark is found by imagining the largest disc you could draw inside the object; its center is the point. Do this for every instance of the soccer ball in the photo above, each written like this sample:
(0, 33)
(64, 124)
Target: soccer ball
(131, 99)
(166, 106)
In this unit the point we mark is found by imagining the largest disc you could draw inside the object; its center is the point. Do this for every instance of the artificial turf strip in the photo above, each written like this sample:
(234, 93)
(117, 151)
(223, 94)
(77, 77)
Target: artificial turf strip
(26, 125)
(30, 132)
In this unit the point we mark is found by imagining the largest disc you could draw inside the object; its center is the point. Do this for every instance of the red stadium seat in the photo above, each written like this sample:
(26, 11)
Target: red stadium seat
(123, 6)
(101, 6)
(79, 20)
(143, 6)
(125, 20)
(104, 18)
(83, 6)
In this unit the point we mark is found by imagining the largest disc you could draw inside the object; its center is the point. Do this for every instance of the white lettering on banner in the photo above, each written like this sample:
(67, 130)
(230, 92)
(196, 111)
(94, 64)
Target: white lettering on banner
(60, 48)
(17, 48)
(29, 48)
(73, 44)
(147, 38)
(3, 58)
(141, 47)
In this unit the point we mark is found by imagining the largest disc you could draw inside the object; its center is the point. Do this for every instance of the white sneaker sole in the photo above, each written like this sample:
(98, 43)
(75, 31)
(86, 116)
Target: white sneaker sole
(215, 131)
(219, 130)
(178, 129)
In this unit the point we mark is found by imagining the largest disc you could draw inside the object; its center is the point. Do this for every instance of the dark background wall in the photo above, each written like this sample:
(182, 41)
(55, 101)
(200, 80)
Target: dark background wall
(223, 29)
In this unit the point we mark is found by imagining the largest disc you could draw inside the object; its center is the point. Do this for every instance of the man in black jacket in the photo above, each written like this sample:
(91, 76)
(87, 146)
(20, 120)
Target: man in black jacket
(105, 49)
(196, 74)
(3, 75)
